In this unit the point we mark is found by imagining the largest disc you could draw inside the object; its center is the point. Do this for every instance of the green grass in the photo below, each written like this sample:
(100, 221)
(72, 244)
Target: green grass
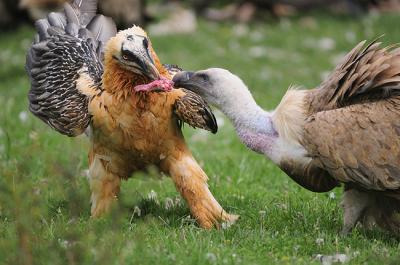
(44, 194)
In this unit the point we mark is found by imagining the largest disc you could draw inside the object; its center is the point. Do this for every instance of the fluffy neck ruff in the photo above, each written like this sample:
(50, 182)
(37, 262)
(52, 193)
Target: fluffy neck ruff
(120, 82)
(290, 115)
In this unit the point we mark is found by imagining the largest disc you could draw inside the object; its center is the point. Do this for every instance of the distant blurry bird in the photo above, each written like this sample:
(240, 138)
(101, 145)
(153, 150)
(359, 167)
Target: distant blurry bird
(345, 131)
(134, 123)
(124, 12)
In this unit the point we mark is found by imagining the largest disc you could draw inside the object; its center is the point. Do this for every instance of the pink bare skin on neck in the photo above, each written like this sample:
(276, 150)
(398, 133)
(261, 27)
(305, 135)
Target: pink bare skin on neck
(260, 142)
(162, 84)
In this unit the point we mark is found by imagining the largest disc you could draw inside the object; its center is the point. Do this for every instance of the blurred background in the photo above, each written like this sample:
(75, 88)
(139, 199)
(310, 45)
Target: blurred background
(270, 44)
(142, 12)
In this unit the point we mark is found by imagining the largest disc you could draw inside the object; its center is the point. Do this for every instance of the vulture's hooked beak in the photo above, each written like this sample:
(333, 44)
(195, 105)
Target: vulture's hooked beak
(142, 63)
(151, 71)
(183, 79)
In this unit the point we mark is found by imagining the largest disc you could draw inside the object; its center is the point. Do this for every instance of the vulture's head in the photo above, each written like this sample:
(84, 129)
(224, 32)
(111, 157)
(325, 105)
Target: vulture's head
(216, 85)
(131, 50)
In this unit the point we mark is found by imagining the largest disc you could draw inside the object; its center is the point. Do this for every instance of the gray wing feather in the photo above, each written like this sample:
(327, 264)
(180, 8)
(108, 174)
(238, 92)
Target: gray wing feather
(87, 10)
(54, 97)
(103, 28)
(57, 20)
(67, 45)
(191, 108)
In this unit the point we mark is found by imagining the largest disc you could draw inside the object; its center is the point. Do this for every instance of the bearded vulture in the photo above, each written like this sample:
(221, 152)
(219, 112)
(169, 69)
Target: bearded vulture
(86, 75)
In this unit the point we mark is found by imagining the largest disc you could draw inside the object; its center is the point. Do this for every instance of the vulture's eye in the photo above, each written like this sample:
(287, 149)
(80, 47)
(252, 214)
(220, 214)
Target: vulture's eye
(203, 77)
(145, 43)
(129, 56)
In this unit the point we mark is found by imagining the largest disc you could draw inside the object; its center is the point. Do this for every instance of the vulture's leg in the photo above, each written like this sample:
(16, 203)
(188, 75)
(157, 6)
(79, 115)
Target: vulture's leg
(191, 181)
(104, 186)
(354, 204)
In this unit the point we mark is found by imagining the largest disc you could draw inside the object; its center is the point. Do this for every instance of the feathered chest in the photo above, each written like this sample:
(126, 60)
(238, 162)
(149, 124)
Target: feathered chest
(135, 122)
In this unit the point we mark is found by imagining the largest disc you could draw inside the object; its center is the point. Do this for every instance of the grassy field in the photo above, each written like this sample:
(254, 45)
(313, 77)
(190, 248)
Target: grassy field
(44, 194)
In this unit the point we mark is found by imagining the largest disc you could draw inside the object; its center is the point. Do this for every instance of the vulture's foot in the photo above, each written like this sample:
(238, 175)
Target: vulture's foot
(354, 204)
(210, 214)
(229, 219)
(191, 181)
(346, 230)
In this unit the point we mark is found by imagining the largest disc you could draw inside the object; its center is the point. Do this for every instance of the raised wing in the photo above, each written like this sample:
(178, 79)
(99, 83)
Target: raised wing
(192, 109)
(64, 65)
(366, 74)
(359, 144)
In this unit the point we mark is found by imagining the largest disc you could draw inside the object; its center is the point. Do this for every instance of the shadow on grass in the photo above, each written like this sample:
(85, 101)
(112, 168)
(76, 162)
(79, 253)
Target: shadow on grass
(172, 212)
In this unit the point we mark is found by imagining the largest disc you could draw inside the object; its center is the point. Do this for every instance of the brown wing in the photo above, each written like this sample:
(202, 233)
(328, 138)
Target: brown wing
(193, 110)
(358, 144)
(366, 74)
